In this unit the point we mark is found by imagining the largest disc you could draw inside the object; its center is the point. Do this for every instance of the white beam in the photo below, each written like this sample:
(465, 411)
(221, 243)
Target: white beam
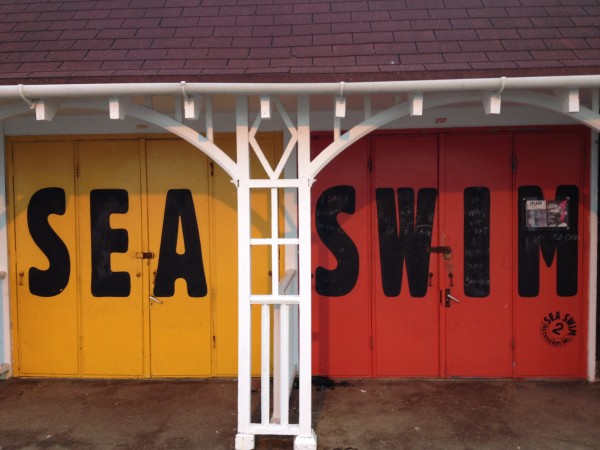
(569, 99)
(266, 107)
(192, 106)
(416, 103)
(117, 107)
(340, 106)
(45, 109)
(491, 102)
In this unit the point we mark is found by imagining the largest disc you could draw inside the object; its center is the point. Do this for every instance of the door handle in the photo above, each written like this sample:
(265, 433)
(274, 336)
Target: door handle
(450, 298)
(154, 299)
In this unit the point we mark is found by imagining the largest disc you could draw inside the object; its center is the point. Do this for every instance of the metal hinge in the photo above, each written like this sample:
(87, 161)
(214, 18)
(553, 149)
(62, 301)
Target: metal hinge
(513, 345)
(214, 342)
(513, 163)
(144, 255)
(370, 165)
(211, 165)
(372, 344)
(77, 171)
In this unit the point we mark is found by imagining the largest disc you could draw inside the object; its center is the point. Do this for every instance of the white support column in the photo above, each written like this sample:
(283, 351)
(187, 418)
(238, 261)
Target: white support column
(244, 439)
(306, 440)
(5, 349)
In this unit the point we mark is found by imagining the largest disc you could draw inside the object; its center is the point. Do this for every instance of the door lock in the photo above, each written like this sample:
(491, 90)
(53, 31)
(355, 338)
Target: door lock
(144, 255)
(450, 298)
(445, 250)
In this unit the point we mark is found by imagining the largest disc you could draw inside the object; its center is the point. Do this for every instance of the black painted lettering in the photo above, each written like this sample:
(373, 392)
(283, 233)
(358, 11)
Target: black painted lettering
(179, 208)
(52, 281)
(477, 242)
(562, 241)
(105, 240)
(341, 280)
(409, 242)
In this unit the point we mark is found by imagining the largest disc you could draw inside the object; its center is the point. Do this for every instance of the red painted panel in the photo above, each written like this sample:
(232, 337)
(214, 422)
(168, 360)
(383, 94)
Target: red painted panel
(476, 202)
(406, 327)
(549, 318)
(341, 323)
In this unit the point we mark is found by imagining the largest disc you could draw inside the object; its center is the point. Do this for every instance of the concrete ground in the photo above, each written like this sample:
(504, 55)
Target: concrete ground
(357, 414)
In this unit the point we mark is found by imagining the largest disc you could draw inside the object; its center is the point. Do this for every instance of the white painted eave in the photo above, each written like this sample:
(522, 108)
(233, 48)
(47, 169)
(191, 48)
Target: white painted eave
(377, 87)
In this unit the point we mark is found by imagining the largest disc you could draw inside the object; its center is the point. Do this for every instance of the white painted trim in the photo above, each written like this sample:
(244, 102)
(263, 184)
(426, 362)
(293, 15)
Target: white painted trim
(304, 271)
(5, 350)
(34, 92)
(244, 270)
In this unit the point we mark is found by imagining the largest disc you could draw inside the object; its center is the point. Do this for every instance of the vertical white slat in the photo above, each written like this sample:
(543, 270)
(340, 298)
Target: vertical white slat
(305, 401)
(265, 361)
(244, 266)
(276, 415)
(5, 350)
(274, 246)
(284, 364)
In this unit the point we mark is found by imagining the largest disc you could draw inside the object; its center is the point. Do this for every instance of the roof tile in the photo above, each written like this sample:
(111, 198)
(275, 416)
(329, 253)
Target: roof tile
(292, 19)
(172, 43)
(437, 24)
(422, 58)
(438, 47)
(553, 54)
(332, 17)
(254, 20)
(523, 44)
(385, 36)
(481, 46)
(321, 28)
(313, 51)
(350, 6)
(454, 13)
(356, 50)
(391, 25)
(509, 56)
(487, 12)
(194, 32)
(272, 30)
(237, 10)
(311, 7)
(106, 55)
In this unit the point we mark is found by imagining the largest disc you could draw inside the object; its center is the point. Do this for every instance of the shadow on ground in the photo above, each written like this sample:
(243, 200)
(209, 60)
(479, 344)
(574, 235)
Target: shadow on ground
(353, 414)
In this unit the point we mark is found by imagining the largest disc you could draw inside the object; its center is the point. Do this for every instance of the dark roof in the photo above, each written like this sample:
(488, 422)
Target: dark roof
(49, 41)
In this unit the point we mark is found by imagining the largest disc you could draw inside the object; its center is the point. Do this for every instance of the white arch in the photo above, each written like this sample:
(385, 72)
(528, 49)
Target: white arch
(544, 101)
(152, 117)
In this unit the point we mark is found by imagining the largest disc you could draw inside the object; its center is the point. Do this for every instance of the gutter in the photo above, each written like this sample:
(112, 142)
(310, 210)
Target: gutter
(183, 88)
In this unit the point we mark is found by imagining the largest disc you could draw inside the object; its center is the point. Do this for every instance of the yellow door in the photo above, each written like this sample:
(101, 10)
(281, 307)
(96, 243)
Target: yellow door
(178, 229)
(110, 233)
(225, 256)
(46, 265)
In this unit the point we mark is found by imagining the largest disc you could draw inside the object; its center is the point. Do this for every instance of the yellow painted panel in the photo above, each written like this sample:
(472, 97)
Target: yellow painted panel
(180, 326)
(225, 259)
(47, 317)
(110, 224)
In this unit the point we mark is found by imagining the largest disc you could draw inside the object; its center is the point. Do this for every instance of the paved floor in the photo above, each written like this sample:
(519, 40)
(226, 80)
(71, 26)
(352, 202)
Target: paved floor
(358, 414)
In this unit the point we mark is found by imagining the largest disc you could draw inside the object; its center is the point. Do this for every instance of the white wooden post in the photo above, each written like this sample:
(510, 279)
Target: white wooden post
(307, 439)
(244, 439)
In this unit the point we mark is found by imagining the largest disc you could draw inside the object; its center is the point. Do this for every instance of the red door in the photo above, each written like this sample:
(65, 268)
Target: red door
(476, 203)
(340, 261)
(550, 321)
(405, 277)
